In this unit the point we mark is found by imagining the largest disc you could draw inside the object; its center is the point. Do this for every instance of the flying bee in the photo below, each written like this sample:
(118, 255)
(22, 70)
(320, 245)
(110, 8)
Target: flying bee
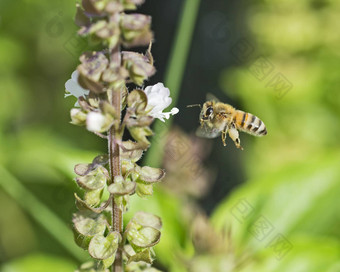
(217, 118)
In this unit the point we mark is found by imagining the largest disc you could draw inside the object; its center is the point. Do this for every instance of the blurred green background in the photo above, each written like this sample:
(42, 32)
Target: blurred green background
(273, 207)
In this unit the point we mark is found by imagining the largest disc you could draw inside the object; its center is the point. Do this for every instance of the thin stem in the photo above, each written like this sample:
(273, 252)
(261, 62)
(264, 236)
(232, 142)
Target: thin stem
(115, 163)
(174, 73)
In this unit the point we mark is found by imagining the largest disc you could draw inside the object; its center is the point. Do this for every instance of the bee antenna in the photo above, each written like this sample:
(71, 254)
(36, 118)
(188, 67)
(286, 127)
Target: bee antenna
(194, 105)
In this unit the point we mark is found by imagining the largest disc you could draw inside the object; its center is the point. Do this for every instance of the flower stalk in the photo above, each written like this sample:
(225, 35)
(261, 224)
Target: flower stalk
(115, 166)
(99, 84)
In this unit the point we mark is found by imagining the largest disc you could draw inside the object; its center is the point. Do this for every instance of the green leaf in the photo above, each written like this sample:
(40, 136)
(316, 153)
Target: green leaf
(300, 198)
(310, 254)
(151, 175)
(102, 247)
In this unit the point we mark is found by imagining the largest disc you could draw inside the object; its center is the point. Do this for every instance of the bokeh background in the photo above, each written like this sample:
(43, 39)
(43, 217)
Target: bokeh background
(273, 207)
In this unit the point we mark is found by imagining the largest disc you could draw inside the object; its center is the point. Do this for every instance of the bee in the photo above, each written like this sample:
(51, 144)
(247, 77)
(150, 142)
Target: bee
(217, 118)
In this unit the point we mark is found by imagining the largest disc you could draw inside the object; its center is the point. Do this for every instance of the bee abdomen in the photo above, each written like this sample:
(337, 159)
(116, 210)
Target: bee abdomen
(252, 124)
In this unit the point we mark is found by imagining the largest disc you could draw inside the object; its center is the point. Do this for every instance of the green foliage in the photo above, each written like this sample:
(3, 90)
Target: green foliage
(38, 262)
(291, 175)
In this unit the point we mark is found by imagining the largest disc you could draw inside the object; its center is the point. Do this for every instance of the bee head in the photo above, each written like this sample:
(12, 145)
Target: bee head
(207, 111)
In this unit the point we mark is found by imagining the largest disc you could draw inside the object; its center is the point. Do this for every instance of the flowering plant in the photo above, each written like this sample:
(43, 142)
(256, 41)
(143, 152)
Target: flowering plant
(107, 107)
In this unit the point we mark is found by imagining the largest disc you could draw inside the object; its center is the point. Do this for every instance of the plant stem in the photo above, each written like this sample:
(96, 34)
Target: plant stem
(115, 163)
(174, 73)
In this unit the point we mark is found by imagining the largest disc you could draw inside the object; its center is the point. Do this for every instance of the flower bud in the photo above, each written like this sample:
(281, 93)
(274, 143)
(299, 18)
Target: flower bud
(97, 122)
(93, 64)
(136, 30)
(138, 66)
(78, 117)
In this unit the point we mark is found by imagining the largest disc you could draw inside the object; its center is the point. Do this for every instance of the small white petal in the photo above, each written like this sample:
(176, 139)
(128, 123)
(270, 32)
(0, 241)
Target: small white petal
(158, 100)
(174, 111)
(95, 121)
(75, 75)
(73, 87)
(74, 111)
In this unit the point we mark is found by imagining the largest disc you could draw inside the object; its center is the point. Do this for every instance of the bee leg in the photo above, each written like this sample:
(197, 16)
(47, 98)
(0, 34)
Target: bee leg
(224, 136)
(233, 134)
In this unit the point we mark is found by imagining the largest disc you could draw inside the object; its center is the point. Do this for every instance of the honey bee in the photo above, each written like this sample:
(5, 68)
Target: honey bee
(217, 118)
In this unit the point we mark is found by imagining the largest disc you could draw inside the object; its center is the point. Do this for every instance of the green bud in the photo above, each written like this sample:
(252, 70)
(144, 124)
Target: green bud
(106, 263)
(94, 180)
(148, 219)
(150, 175)
(102, 247)
(108, 32)
(127, 166)
(93, 64)
(139, 121)
(101, 7)
(143, 190)
(138, 100)
(83, 206)
(81, 19)
(132, 4)
(136, 30)
(122, 202)
(138, 66)
(98, 122)
(87, 267)
(85, 228)
(140, 134)
(122, 187)
(78, 117)
(143, 256)
(131, 151)
(93, 197)
(143, 231)
(115, 76)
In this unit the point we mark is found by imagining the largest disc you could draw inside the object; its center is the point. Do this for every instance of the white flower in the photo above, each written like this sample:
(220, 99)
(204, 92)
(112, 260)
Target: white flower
(73, 87)
(159, 99)
(95, 121)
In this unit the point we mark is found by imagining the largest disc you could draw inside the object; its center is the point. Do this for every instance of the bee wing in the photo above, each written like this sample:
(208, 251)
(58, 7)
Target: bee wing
(211, 97)
(207, 132)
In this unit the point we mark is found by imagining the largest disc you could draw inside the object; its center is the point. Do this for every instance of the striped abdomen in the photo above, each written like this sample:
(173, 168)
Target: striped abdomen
(249, 123)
